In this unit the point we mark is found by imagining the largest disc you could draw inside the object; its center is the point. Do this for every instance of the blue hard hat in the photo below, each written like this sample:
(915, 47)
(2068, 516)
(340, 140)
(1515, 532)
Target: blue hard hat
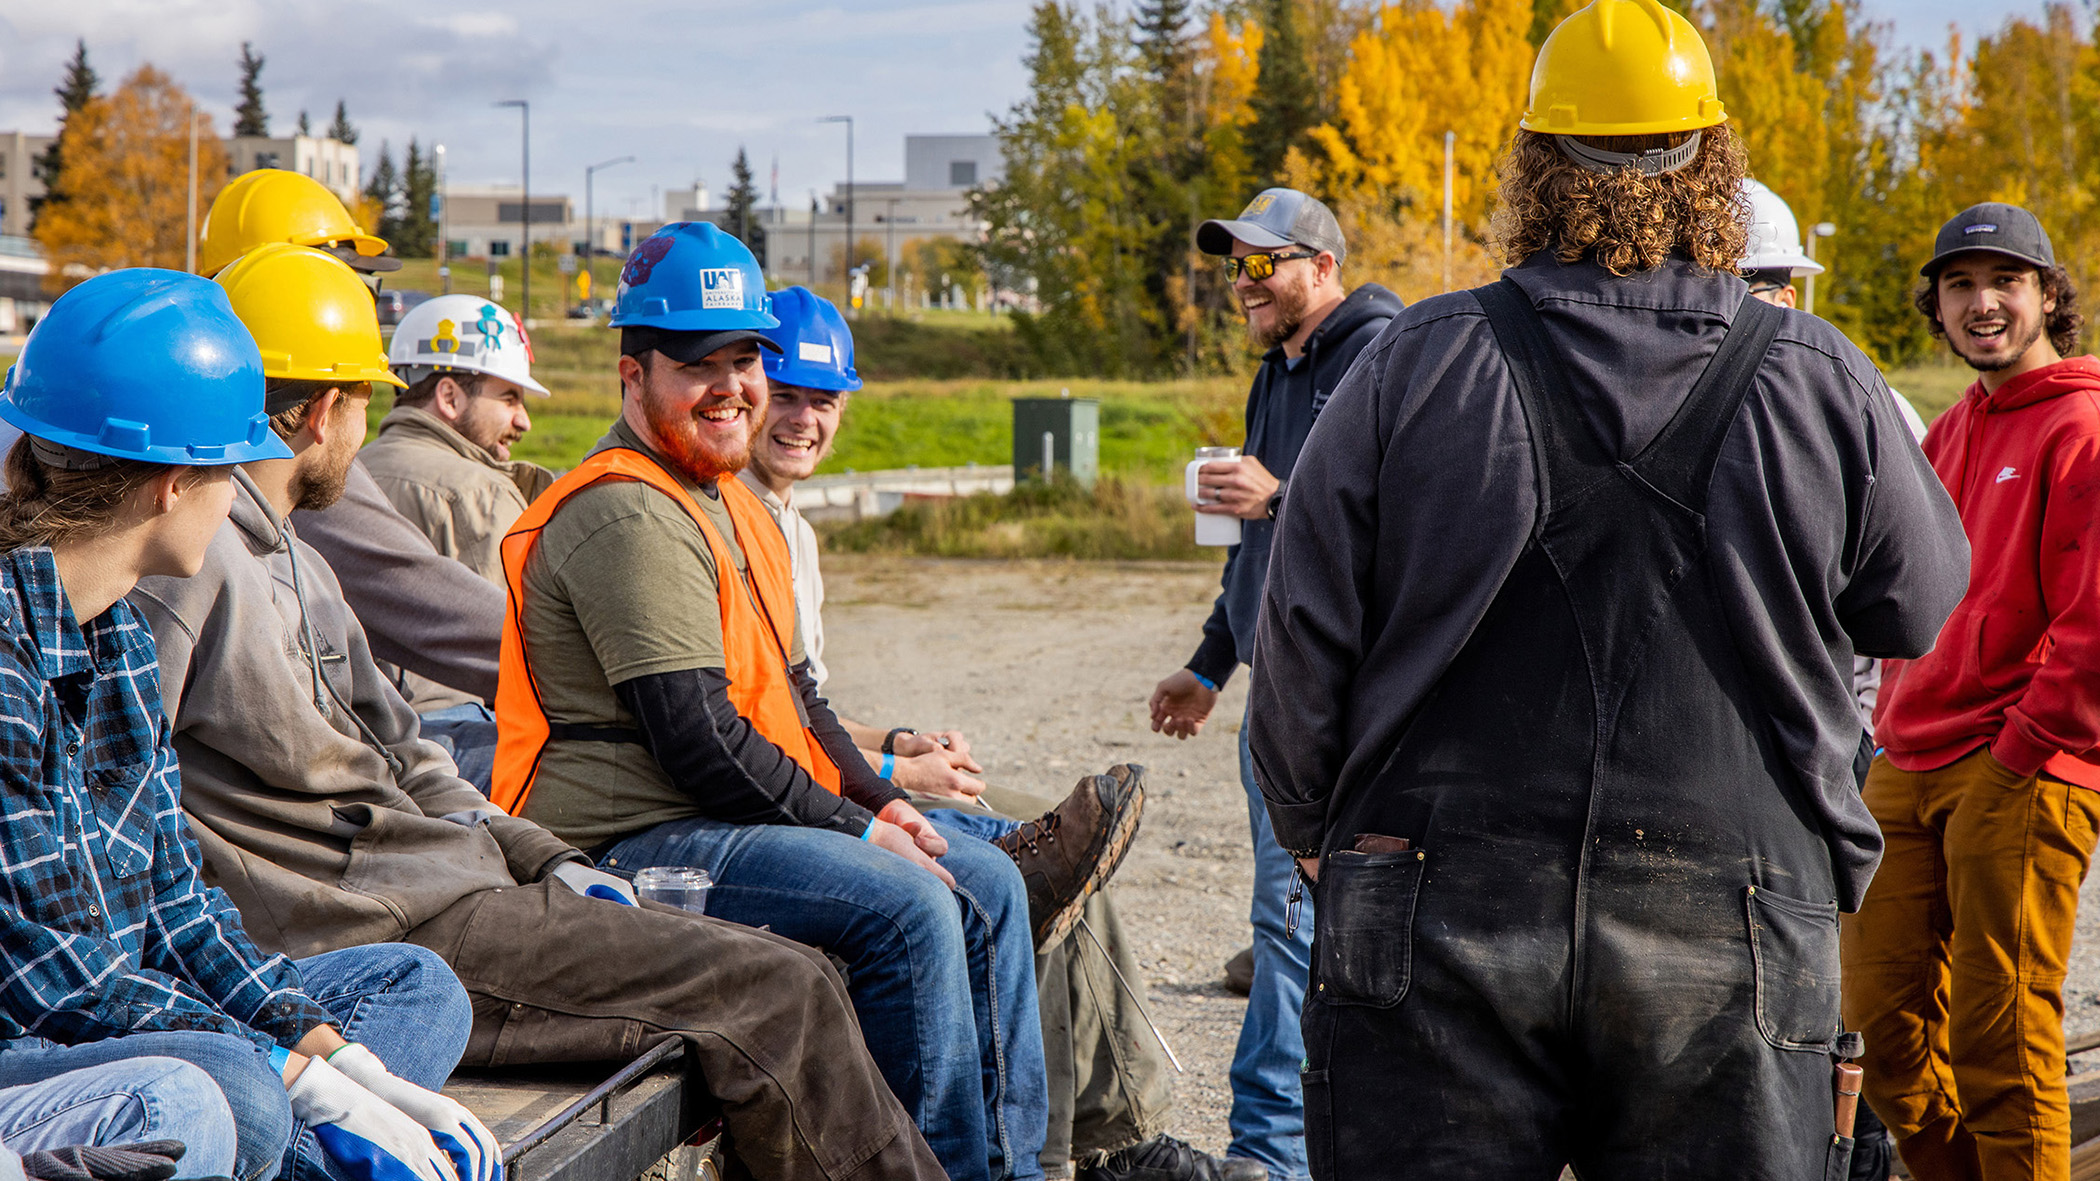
(144, 364)
(816, 347)
(691, 277)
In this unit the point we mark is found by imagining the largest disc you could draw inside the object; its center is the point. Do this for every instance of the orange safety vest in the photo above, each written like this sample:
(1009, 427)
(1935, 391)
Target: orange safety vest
(758, 625)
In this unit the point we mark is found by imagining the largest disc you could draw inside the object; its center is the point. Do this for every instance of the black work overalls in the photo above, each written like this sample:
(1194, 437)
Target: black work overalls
(1613, 943)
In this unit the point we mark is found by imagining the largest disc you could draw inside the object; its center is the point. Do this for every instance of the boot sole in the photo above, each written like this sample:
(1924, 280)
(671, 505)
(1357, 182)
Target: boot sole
(1120, 837)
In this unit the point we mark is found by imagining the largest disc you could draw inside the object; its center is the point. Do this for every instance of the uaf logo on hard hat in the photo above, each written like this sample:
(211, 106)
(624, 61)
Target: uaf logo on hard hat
(721, 287)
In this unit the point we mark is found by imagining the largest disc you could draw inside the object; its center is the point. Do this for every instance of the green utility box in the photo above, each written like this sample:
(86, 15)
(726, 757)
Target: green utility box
(1057, 433)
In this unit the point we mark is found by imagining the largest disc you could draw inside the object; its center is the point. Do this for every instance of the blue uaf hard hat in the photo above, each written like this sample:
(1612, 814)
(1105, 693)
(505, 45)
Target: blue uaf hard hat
(691, 277)
(816, 347)
(144, 364)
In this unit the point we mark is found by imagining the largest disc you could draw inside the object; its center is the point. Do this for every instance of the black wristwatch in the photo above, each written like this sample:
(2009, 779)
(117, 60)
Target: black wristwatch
(889, 740)
(1276, 502)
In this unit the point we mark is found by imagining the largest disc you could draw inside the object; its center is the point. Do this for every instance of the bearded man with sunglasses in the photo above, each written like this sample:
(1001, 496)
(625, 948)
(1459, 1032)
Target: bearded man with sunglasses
(1284, 258)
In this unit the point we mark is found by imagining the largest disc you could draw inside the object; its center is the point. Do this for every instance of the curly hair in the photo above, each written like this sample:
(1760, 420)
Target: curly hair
(1624, 220)
(2062, 325)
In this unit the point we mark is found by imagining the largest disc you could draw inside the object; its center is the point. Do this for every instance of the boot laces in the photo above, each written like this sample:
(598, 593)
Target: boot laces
(1042, 828)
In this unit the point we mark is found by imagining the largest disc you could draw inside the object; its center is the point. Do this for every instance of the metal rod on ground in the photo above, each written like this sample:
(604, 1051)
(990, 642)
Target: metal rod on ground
(1134, 997)
(1049, 455)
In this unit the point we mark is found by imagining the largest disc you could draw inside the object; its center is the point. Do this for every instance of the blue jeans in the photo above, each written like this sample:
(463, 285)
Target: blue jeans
(1268, 1106)
(400, 1001)
(468, 734)
(123, 1102)
(943, 981)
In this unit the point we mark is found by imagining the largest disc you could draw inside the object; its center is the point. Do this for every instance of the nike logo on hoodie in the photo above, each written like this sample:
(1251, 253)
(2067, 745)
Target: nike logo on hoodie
(2006, 474)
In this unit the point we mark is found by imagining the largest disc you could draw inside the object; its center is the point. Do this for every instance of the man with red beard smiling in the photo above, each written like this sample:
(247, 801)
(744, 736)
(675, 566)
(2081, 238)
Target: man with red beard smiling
(1285, 260)
(1988, 786)
(656, 707)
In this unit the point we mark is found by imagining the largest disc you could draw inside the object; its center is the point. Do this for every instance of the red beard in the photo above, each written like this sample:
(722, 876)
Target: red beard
(694, 453)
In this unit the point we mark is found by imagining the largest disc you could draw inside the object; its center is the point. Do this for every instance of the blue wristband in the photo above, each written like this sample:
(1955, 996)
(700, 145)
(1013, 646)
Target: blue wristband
(279, 1057)
(889, 764)
(868, 831)
(1204, 681)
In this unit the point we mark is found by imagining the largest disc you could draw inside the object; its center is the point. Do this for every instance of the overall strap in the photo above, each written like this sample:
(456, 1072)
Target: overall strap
(1680, 461)
(1542, 385)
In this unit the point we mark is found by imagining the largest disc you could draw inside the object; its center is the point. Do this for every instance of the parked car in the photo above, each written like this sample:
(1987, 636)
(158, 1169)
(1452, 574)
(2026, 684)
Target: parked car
(395, 304)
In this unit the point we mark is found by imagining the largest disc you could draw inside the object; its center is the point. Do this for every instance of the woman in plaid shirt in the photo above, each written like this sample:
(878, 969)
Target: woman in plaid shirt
(137, 393)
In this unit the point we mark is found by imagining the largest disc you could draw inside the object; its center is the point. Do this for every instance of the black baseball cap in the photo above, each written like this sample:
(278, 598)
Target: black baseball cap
(687, 347)
(1995, 227)
(1274, 219)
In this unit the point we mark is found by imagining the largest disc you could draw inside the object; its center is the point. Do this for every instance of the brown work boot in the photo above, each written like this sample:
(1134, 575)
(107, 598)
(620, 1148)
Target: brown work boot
(1072, 850)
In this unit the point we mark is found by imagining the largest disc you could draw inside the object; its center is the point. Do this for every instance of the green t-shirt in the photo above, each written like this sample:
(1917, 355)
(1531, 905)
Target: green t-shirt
(621, 584)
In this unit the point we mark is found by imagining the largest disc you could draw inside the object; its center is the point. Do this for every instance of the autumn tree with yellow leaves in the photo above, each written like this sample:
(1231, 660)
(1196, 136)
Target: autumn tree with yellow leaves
(124, 185)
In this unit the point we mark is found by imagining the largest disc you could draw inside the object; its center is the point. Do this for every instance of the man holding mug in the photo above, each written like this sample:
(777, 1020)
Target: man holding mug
(1284, 257)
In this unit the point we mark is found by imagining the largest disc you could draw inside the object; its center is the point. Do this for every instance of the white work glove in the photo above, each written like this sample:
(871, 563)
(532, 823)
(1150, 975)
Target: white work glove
(475, 1154)
(367, 1137)
(594, 883)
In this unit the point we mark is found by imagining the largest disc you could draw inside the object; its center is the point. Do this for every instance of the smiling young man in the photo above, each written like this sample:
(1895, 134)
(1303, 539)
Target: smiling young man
(1285, 260)
(1986, 787)
(656, 708)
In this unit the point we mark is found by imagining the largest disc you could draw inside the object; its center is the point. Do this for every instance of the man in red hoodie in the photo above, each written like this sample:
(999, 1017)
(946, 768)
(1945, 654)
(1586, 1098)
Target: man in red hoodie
(1987, 787)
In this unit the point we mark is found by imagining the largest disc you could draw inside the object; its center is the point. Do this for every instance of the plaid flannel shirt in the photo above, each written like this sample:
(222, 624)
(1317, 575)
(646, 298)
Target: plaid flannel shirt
(105, 925)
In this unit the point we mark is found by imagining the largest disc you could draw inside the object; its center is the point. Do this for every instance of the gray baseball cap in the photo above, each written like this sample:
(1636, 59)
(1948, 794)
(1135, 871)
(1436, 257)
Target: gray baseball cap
(1276, 218)
(1996, 227)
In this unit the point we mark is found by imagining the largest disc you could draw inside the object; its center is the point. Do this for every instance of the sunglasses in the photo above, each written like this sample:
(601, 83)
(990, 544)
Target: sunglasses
(1261, 265)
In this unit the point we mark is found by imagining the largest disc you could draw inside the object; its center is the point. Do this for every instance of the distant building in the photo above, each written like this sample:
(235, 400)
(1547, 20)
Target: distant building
(330, 161)
(19, 184)
(489, 222)
(23, 300)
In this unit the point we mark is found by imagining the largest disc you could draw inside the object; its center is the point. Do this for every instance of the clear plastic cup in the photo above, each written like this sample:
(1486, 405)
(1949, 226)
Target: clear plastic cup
(683, 888)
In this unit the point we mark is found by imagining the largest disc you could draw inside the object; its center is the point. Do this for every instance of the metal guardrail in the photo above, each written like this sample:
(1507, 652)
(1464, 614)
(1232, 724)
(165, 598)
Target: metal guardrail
(600, 1097)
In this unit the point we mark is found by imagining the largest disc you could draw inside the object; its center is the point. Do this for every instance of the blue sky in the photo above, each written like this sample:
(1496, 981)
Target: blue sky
(679, 84)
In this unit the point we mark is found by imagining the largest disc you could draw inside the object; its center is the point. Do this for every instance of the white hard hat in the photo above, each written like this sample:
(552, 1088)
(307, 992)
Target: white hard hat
(463, 334)
(1775, 237)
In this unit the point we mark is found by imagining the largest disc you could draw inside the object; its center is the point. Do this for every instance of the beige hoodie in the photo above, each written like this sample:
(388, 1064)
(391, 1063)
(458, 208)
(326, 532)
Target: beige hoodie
(317, 805)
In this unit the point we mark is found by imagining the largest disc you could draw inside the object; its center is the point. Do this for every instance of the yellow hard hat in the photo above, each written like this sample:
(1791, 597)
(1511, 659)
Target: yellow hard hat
(273, 205)
(1623, 67)
(310, 314)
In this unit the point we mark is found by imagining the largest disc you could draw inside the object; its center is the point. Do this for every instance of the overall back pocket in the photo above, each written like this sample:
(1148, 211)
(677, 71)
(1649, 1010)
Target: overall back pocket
(1363, 926)
(1795, 945)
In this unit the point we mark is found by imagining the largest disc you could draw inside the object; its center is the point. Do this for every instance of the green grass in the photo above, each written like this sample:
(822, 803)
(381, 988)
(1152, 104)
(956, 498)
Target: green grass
(1932, 388)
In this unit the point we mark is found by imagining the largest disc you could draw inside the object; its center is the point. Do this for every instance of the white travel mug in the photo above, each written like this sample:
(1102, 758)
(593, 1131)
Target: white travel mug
(1212, 528)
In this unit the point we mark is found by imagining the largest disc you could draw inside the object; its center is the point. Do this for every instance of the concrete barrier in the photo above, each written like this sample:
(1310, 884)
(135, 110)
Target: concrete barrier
(855, 496)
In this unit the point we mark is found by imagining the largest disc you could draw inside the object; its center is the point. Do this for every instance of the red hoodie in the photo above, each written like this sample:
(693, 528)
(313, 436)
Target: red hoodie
(2017, 666)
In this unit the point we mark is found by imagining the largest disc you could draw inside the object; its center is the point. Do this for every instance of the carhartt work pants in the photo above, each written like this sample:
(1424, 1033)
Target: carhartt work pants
(1954, 968)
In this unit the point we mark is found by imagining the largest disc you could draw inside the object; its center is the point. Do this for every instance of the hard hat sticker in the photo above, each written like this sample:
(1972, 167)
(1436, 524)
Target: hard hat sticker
(721, 287)
(810, 351)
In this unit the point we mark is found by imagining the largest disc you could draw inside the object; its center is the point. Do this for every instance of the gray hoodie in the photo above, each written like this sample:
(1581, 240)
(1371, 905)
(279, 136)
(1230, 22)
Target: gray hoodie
(318, 807)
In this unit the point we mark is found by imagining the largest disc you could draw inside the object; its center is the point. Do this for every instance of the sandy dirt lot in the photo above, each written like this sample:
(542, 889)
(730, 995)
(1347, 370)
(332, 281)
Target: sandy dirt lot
(1047, 666)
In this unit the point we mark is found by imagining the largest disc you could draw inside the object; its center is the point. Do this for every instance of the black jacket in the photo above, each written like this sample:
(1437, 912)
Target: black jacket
(1280, 412)
(1828, 533)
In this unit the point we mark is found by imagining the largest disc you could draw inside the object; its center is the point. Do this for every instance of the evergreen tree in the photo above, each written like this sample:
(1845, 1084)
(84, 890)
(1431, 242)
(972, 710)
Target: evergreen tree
(1287, 102)
(250, 118)
(73, 94)
(383, 193)
(342, 130)
(743, 202)
(415, 235)
(305, 127)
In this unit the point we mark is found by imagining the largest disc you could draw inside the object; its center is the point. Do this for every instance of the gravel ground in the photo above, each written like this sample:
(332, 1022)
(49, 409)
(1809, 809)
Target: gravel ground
(1047, 666)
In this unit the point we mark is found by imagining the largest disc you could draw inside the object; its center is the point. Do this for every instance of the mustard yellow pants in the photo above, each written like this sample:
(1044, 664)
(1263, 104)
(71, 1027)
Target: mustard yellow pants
(1954, 967)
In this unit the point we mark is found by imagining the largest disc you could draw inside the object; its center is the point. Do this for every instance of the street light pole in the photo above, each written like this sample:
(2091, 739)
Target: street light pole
(848, 121)
(189, 245)
(1822, 229)
(812, 239)
(525, 211)
(889, 260)
(444, 213)
(590, 225)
